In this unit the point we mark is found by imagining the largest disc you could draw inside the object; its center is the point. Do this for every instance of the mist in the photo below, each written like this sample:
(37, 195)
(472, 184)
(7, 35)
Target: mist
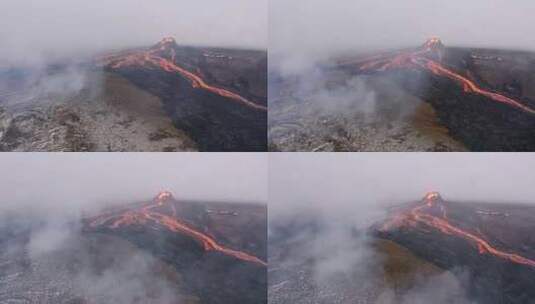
(74, 182)
(302, 32)
(33, 31)
(341, 181)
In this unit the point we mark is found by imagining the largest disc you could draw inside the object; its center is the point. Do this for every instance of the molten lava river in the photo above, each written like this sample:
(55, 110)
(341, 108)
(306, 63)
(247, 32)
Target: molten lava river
(428, 57)
(152, 213)
(432, 213)
(152, 58)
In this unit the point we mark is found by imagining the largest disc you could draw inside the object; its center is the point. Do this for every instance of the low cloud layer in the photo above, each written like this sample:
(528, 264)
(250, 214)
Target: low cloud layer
(350, 180)
(76, 181)
(32, 30)
(305, 30)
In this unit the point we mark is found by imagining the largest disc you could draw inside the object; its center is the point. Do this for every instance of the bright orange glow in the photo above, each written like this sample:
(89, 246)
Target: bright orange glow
(164, 195)
(421, 214)
(152, 59)
(148, 214)
(420, 58)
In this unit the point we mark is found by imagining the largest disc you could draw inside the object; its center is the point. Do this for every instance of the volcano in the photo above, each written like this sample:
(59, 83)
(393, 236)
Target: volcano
(200, 252)
(491, 242)
(216, 95)
(481, 95)
(164, 97)
(428, 98)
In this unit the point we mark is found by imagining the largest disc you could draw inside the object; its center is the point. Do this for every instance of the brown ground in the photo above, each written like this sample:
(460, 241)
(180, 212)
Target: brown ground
(399, 121)
(388, 282)
(116, 116)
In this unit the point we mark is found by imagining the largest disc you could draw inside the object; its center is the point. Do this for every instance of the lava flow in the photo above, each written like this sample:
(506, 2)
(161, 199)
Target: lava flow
(147, 213)
(424, 214)
(428, 57)
(152, 57)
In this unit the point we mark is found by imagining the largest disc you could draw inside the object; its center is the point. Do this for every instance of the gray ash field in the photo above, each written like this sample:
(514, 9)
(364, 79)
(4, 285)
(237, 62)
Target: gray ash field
(431, 98)
(180, 99)
(161, 251)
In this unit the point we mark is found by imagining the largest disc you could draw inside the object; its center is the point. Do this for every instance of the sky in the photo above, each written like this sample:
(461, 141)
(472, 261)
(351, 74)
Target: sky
(79, 181)
(354, 181)
(305, 29)
(31, 30)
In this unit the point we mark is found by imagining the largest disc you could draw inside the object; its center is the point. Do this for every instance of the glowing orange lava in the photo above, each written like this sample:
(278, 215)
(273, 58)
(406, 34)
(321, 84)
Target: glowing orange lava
(151, 58)
(421, 214)
(421, 58)
(147, 214)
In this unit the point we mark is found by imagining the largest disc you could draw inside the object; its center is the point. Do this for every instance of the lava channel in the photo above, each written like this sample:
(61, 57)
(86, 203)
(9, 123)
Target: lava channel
(420, 58)
(432, 202)
(151, 58)
(147, 214)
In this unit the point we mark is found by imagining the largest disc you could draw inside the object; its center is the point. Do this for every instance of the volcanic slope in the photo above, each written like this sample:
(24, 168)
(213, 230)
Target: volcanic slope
(493, 243)
(161, 98)
(160, 251)
(309, 263)
(218, 96)
(482, 96)
(220, 248)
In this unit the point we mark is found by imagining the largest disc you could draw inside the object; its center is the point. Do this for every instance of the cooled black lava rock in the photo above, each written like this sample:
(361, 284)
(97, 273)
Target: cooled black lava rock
(215, 122)
(489, 277)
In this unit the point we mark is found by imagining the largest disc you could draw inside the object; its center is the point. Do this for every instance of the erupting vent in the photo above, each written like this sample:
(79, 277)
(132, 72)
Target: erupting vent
(432, 198)
(167, 41)
(433, 44)
(163, 196)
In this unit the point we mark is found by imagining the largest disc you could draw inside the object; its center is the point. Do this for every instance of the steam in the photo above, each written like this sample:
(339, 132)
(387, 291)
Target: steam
(353, 95)
(107, 270)
(346, 253)
(40, 85)
(71, 80)
(49, 238)
(130, 280)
